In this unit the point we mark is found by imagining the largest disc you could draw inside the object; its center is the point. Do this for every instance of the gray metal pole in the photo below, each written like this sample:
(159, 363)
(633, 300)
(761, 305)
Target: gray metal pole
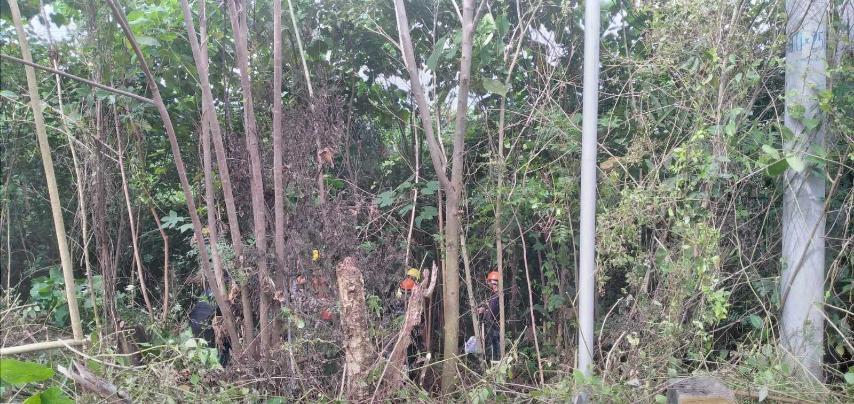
(587, 256)
(802, 283)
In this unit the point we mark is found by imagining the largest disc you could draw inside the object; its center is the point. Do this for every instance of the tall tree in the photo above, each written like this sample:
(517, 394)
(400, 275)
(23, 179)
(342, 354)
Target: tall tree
(200, 56)
(256, 183)
(278, 147)
(802, 282)
(452, 186)
(50, 175)
(222, 302)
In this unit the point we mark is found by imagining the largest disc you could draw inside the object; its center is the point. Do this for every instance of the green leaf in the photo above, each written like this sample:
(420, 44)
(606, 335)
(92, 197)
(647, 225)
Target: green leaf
(8, 94)
(755, 321)
(427, 213)
(797, 111)
(849, 377)
(810, 123)
(430, 187)
(147, 41)
(53, 395)
(434, 58)
(385, 198)
(771, 151)
(796, 163)
(17, 372)
(777, 168)
(495, 87)
(730, 128)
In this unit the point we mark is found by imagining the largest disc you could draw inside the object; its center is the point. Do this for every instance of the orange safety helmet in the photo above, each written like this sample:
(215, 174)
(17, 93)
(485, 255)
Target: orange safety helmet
(407, 284)
(492, 276)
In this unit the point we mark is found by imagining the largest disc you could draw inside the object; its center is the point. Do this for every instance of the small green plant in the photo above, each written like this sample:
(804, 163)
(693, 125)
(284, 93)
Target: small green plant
(19, 374)
(48, 295)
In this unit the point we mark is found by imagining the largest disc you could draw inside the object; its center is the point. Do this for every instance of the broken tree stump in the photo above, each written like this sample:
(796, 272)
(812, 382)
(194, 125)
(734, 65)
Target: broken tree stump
(412, 318)
(354, 323)
(701, 389)
(89, 381)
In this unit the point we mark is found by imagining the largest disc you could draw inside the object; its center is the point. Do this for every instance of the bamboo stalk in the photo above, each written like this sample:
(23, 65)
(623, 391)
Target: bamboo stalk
(50, 176)
(39, 346)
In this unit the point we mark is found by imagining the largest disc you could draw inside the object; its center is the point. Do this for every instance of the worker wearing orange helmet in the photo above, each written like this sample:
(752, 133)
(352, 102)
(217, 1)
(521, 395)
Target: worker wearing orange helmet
(489, 312)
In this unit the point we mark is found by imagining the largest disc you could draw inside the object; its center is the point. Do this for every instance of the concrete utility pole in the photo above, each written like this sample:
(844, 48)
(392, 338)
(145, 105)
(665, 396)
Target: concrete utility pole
(587, 211)
(802, 281)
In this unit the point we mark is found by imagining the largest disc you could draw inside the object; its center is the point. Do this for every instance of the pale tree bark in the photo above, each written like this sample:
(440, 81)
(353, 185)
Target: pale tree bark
(259, 208)
(802, 317)
(224, 306)
(200, 56)
(165, 237)
(453, 186)
(411, 319)
(354, 323)
(213, 229)
(50, 176)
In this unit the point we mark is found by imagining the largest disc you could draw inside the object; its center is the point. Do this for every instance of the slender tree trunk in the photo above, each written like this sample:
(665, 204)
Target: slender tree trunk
(802, 317)
(278, 166)
(213, 229)
(50, 176)
(530, 300)
(200, 55)
(453, 186)
(452, 226)
(259, 208)
(223, 304)
(165, 238)
(102, 240)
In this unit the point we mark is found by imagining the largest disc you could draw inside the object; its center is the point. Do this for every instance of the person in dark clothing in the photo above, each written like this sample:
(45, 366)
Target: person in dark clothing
(201, 318)
(490, 317)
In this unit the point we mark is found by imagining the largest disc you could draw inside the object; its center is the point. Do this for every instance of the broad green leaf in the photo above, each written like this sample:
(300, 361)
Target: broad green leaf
(730, 128)
(849, 377)
(796, 163)
(8, 94)
(53, 395)
(810, 123)
(771, 151)
(430, 187)
(755, 321)
(147, 41)
(777, 168)
(434, 58)
(385, 198)
(17, 372)
(495, 87)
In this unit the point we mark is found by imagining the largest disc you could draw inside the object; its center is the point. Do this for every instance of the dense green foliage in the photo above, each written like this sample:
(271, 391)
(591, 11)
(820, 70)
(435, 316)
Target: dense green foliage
(691, 147)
